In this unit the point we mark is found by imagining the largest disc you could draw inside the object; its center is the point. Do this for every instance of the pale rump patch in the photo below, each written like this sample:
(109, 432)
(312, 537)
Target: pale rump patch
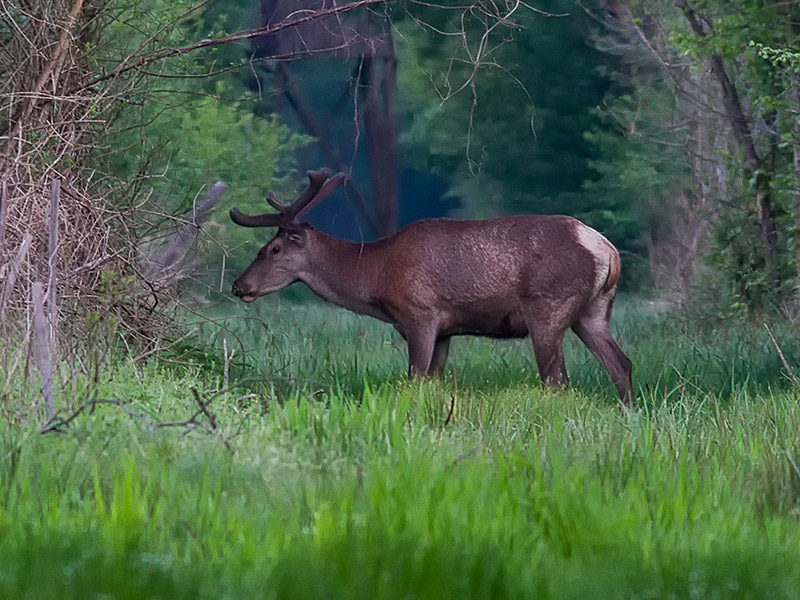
(605, 256)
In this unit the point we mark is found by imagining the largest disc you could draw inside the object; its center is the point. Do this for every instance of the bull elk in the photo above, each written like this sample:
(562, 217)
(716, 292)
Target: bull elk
(504, 277)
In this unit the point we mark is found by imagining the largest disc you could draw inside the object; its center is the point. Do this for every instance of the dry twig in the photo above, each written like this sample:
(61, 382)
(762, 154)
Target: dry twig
(792, 462)
(57, 423)
(201, 420)
(450, 412)
(784, 362)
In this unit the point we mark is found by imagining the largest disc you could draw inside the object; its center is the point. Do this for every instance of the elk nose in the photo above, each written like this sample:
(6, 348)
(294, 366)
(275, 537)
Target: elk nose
(242, 293)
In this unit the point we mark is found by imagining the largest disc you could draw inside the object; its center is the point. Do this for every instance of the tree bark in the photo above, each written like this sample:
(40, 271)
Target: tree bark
(381, 130)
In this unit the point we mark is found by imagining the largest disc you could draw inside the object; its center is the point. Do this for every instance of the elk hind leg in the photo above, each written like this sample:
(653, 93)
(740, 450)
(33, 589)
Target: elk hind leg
(547, 338)
(440, 351)
(592, 327)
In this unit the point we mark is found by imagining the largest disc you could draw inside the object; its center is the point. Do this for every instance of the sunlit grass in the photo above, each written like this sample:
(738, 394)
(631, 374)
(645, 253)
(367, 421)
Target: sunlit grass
(340, 479)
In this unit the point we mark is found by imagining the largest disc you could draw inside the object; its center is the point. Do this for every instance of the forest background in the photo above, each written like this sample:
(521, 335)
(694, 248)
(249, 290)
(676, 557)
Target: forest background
(671, 127)
(158, 438)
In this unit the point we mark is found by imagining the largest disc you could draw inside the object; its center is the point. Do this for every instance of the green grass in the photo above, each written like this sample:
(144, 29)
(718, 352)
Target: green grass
(331, 476)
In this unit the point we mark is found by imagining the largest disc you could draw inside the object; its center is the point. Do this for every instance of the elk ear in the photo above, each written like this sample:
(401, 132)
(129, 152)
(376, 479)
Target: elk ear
(296, 235)
(297, 238)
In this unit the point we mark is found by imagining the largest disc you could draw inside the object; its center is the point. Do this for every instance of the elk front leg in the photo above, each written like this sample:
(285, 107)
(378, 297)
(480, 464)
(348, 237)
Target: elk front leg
(550, 360)
(421, 342)
(547, 338)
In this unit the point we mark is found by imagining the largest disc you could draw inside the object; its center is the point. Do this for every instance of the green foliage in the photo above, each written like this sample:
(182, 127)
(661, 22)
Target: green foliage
(378, 493)
(190, 127)
(641, 170)
(745, 34)
(189, 123)
(204, 140)
(514, 121)
(778, 56)
(741, 266)
(754, 42)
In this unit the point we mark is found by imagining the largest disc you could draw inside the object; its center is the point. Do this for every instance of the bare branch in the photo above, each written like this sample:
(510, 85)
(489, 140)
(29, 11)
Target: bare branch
(146, 59)
(170, 258)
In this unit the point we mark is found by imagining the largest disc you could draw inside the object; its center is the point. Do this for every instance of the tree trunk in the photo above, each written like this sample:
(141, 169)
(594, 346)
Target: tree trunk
(381, 130)
(796, 162)
(306, 115)
(742, 129)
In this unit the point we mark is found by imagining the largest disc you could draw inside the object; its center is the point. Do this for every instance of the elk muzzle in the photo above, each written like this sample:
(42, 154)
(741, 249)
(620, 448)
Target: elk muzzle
(241, 293)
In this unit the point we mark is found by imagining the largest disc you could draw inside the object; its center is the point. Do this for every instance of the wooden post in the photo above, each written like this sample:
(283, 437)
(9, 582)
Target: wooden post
(8, 289)
(52, 256)
(4, 269)
(43, 348)
(3, 210)
(227, 365)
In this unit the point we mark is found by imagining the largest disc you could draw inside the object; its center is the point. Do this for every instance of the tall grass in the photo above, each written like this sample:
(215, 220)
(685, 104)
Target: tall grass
(343, 480)
(321, 346)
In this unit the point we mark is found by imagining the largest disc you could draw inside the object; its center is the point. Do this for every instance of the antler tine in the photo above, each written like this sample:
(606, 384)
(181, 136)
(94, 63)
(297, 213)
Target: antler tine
(325, 190)
(315, 180)
(273, 201)
(265, 220)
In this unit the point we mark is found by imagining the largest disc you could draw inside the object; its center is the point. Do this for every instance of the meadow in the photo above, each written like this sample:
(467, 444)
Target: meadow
(318, 471)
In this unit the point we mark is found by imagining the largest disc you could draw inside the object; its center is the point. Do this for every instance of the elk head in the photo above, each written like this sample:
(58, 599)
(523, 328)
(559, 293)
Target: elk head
(281, 261)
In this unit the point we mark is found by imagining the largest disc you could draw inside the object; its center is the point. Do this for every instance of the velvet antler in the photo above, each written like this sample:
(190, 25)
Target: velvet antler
(320, 185)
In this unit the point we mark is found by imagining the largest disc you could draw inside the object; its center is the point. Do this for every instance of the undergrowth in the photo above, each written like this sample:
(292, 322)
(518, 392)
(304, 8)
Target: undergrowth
(327, 475)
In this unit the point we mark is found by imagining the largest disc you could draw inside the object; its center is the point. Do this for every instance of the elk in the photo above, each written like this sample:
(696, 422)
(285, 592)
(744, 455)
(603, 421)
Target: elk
(504, 277)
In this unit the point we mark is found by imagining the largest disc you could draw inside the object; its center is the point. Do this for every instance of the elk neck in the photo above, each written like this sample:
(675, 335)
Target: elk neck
(344, 273)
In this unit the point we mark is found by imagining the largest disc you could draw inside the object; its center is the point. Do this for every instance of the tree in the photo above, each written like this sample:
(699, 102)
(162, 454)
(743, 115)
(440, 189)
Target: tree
(738, 123)
(363, 42)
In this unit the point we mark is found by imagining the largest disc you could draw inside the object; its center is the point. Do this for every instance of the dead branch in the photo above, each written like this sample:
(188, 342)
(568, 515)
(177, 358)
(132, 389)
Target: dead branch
(450, 412)
(45, 74)
(146, 59)
(784, 362)
(168, 263)
(57, 423)
(12, 271)
(52, 255)
(3, 205)
(195, 423)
